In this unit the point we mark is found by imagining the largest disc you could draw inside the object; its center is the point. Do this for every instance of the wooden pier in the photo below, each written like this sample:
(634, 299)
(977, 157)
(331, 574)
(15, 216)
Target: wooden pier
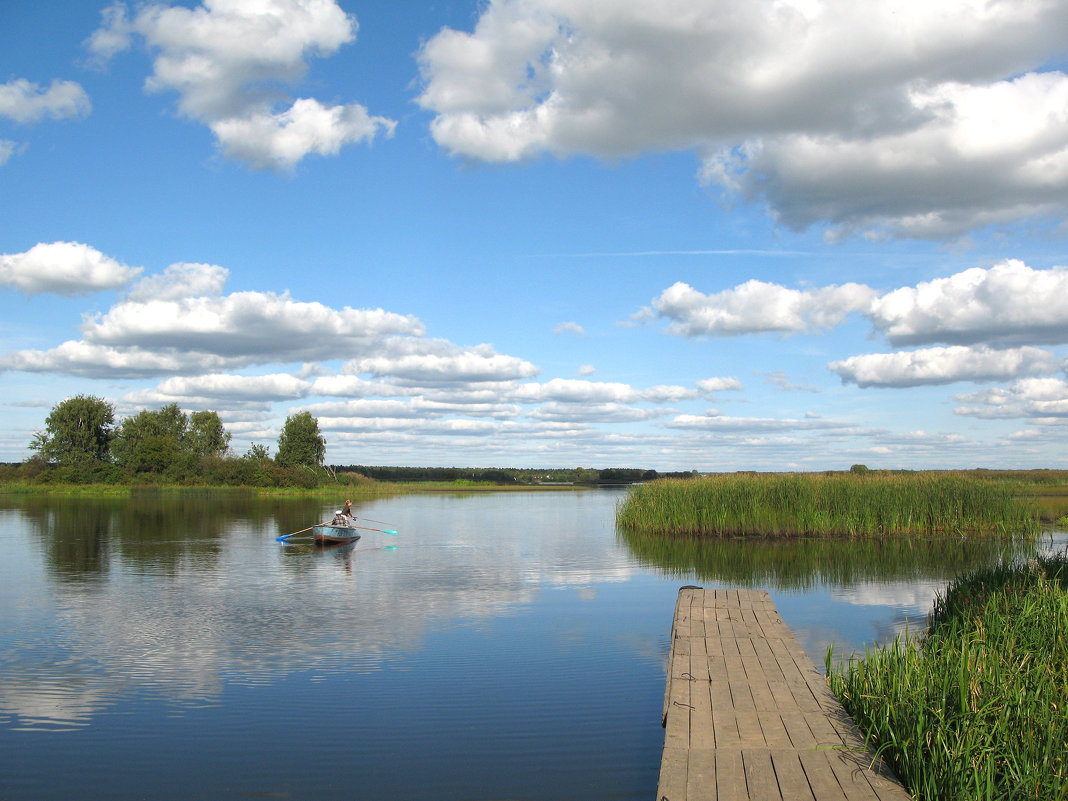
(748, 717)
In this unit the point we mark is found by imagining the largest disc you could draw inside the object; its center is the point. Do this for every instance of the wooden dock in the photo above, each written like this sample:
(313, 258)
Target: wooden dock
(748, 717)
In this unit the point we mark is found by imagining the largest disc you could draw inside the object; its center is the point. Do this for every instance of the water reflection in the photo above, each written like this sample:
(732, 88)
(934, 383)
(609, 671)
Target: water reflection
(495, 635)
(181, 594)
(81, 537)
(801, 563)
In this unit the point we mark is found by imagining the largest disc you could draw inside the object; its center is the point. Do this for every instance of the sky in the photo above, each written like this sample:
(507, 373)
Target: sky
(706, 235)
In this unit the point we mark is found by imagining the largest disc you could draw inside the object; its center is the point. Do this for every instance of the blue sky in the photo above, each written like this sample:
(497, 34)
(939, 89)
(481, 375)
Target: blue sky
(725, 235)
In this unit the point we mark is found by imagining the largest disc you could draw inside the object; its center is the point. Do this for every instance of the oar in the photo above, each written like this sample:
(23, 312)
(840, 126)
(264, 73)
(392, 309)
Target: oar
(380, 530)
(285, 537)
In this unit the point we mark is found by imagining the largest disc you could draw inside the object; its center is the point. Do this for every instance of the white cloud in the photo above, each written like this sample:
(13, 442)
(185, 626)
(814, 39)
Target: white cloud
(757, 307)
(63, 268)
(720, 384)
(1007, 304)
(247, 327)
(943, 365)
(714, 420)
(277, 386)
(26, 102)
(903, 119)
(227, 60)
(280, 140)
(779, 378)
(440, 362)
(7, 150)
(180, 280)
(573, 390)
(162, 327)
(592, 413)
(86, 359)
(570, 328)
(1037, 398)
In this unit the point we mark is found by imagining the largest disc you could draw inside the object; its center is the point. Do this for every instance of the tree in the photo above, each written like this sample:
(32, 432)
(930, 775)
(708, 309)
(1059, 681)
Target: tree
(258, 452)
(152, 441)
(300, 442)
(78, 429)
(206, 435)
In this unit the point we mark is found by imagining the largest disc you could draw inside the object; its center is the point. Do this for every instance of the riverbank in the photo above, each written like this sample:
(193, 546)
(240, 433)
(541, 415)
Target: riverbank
(977, 707)
(361, 490)
(839, 504)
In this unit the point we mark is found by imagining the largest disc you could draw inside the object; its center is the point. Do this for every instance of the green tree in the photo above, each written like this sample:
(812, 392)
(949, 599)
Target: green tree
(300, 443)
(257, 452)
(78, 429)
(152, 441)
(206, 435)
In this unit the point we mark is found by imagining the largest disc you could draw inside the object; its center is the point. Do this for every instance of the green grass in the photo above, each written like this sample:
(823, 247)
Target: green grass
(978, 707)
(790, 504)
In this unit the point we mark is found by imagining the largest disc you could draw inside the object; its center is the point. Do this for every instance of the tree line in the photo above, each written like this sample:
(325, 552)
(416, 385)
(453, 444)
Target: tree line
(82, 443)
(513, 475)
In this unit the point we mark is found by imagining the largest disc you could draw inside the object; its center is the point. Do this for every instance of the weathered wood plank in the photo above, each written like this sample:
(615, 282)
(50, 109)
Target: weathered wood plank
(748, 717)
(760, 780)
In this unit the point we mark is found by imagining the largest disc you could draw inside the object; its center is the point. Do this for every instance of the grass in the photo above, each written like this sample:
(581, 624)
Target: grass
(978, 707)
(791, 504)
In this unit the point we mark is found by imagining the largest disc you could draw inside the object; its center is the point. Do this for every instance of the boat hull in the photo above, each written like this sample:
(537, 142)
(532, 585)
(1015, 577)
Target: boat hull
(328, 533)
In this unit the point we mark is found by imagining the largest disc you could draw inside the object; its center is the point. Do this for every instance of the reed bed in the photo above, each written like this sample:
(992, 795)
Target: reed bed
(978, 707)
(790, 504)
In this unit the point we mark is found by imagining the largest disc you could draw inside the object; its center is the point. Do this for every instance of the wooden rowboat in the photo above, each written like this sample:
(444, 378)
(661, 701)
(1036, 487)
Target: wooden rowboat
(327, 532)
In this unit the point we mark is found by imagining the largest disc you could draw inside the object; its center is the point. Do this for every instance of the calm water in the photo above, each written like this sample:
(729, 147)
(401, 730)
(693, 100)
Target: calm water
(507, 646)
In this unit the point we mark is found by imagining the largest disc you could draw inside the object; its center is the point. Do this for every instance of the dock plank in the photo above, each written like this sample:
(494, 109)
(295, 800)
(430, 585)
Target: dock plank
(748, 717)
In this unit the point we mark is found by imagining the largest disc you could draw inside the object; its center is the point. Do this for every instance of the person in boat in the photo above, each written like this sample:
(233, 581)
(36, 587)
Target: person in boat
(345, 517)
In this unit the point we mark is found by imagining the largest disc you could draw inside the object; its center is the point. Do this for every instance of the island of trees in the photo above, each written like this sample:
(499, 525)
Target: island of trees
(83, 443)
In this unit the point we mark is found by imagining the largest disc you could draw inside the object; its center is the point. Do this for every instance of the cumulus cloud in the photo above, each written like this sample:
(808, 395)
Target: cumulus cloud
(570, 328)
(720, 384)
(580, 391)
(1007, 304)
(437, 361)
(228, 59)
(86, 359)
(757, 307)
(164, 326)
(922, 120)
(63, 268)
(943, 365)
(182, 280)
(26, 102)
(1038, 398)
(714, 420)
(276, 386)
(247, 327)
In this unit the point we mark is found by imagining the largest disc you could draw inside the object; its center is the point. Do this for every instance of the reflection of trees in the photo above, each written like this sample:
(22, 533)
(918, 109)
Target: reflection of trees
(791, 563)
(158, 528)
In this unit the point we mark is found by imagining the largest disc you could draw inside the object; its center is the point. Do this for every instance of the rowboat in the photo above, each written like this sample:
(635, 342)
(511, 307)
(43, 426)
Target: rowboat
(327, 532)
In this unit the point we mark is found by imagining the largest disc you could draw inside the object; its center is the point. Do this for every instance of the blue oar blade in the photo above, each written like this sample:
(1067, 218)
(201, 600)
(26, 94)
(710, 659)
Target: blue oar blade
(283, 538)
(391, 531)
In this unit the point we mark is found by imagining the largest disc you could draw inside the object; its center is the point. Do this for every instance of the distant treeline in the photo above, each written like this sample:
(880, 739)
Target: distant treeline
(511, 475)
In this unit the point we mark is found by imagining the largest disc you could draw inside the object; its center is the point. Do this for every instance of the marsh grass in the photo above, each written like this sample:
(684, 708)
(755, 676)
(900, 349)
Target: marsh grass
(978, 707)
(790, 504)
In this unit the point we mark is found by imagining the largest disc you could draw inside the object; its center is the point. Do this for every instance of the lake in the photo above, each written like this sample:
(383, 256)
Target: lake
(503, 646)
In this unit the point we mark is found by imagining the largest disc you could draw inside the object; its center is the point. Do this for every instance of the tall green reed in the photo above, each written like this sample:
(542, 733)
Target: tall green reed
(978, 707)
(779, 504)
